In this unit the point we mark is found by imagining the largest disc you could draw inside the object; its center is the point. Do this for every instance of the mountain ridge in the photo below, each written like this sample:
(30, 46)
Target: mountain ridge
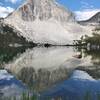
(46, 22)
(94, 20)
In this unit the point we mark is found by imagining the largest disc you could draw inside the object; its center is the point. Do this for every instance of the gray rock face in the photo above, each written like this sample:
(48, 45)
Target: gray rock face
(94, 20)
(9, 36)
(44, 10)
(45, 22)
(42, 79)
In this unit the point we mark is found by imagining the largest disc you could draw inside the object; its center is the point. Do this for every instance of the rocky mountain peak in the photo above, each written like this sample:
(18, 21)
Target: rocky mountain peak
(93, 21)
(44, 10)
(95, 18)
(45, 22)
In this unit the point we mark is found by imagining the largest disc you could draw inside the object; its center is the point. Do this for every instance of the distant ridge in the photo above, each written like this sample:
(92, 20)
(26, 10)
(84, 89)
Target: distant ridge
(94, 20)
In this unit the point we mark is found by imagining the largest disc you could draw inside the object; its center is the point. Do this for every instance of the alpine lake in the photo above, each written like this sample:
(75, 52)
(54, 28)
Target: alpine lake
(53, 73)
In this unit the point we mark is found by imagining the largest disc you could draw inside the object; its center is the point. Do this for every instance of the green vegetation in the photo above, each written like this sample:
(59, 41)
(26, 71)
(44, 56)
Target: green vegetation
(97, 29)
(7, 54)
(79, 42)
(87, 96)
(10, 36)
(93, 40)
(26, 96)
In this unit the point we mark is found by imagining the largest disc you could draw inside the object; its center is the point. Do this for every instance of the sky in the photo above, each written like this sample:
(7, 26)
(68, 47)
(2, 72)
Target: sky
(83, 9)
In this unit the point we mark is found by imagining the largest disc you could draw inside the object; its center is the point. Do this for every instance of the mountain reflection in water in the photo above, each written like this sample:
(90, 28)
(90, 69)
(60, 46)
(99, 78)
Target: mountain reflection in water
(75, 88)
(43, 66)
(54, 72)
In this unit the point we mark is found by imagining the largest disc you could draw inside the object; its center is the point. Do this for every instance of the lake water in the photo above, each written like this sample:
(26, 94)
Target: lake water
(57, 73)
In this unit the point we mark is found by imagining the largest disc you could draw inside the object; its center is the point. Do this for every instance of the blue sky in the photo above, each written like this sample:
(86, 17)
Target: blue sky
(76, 5)
(83, 9)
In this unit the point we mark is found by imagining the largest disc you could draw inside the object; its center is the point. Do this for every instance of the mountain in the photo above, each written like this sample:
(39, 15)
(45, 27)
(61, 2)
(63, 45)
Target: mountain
(9, 36)
(44, 66)
(45, 21)
(94, 20)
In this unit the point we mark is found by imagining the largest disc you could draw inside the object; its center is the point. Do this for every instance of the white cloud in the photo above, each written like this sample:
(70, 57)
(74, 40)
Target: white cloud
(86, 11)
(85, 14)
(4, 11)
(13, 1)
(86, 5)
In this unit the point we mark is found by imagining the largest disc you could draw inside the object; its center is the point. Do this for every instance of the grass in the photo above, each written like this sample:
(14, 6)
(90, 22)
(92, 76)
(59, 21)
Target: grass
(26, 96)
(87, 96)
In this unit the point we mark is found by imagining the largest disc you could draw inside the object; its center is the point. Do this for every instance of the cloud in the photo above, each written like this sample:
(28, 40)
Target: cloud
(86, 11)
(13, 1)
(86, 5)
(4, 11)
(85, 14)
